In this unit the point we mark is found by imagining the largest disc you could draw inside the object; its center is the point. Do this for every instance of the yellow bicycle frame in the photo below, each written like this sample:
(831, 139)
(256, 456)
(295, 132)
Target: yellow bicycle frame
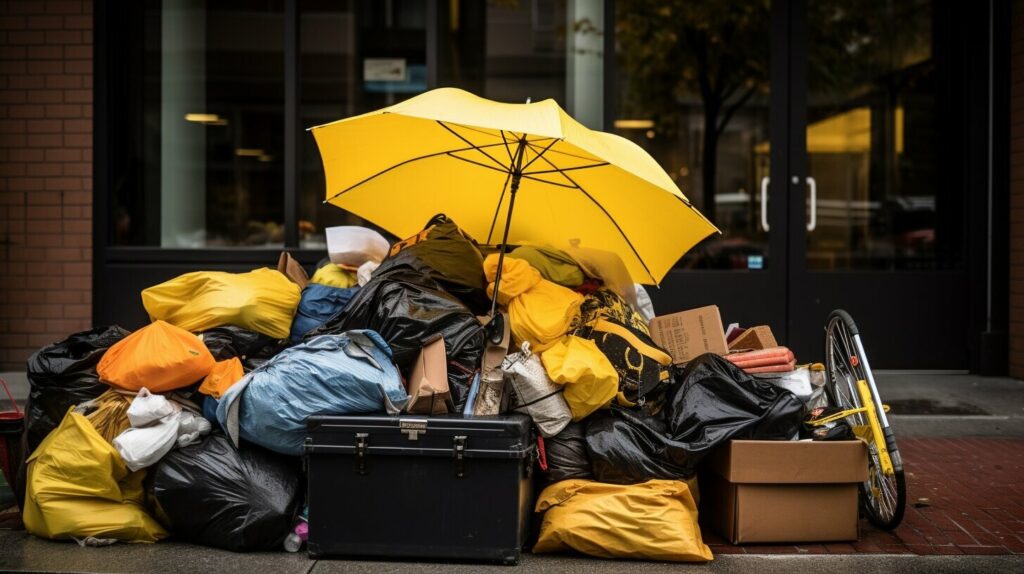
(871, 432)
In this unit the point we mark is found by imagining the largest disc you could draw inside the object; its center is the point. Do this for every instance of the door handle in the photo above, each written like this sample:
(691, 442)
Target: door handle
(764, 203)
(813, 222)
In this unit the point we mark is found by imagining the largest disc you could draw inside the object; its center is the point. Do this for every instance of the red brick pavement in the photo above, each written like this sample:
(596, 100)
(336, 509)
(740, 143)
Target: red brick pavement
(975, 504)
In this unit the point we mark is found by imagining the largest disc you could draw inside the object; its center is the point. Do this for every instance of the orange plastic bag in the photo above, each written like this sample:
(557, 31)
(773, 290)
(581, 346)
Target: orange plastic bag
(159, 356)
(223, 375)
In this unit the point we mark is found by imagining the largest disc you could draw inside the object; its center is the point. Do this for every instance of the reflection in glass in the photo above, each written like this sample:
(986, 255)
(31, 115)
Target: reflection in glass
(874, 138)
(694, 93)
(213, 126)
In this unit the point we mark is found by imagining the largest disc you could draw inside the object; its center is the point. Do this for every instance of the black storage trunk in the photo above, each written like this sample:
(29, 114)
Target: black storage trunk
(444, 487)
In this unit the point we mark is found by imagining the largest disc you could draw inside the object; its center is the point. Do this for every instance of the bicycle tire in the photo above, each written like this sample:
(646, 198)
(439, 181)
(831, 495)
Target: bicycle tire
(843, 367)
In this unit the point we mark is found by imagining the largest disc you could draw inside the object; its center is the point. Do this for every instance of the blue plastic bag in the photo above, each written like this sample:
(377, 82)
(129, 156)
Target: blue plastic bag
(318, 304)
(344, 374)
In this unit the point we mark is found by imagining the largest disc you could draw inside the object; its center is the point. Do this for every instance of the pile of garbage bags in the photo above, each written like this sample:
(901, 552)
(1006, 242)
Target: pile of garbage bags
(193, 426)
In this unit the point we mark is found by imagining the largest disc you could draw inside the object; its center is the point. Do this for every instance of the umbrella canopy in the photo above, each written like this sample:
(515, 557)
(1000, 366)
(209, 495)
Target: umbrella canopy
(450, 151)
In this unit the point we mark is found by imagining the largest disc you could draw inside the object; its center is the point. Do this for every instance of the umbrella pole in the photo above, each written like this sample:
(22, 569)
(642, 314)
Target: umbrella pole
(494, 327)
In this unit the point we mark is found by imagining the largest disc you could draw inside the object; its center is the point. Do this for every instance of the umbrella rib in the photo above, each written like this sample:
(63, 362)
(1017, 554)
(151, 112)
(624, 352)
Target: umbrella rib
(483, 165)
(563, 152)
(577, 168)
(608, 215)
(476, 147)
(400, 164)
(539, 154)
(507, 149)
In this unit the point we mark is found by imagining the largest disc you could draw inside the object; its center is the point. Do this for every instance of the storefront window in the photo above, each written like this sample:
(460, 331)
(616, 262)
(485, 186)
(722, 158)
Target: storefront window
(207, 166)
(356, 57)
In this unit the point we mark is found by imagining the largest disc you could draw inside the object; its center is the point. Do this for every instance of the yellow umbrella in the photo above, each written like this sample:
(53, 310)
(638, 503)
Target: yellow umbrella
(449, 151)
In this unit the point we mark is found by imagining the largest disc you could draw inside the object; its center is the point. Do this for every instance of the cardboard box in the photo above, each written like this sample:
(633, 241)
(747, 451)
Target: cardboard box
(784, 491)
(428, 384)
(754, 338)
(688, 334)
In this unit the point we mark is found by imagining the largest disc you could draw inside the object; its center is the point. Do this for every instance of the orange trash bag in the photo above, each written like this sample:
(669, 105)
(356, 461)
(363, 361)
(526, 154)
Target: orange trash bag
(223, 375)
(159, 356)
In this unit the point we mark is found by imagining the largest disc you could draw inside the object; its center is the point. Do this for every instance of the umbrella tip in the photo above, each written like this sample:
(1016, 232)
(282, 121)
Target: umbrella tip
(528, 99)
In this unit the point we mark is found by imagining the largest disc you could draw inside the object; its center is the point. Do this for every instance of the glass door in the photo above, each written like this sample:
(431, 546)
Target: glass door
(701, 86)
(878, 202)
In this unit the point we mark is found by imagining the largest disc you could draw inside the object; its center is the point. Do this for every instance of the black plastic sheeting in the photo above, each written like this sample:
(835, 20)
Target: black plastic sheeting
(407, 307)
(210, 493)
(631, 446)
(566, 454)
(251, 347)
(62, 375)
(449, 257)
(713, 401)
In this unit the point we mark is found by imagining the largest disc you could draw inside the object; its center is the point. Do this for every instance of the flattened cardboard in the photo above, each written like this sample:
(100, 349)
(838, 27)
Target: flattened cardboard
(428, 384)
(780, 491)
(687, 334)
(754, 338)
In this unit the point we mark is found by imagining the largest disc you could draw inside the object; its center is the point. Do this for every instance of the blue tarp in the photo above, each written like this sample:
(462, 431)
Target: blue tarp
(319, 303)
(344, 374)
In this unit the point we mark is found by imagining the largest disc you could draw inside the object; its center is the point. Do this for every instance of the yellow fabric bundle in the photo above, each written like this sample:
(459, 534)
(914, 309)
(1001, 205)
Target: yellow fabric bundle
(78, 486)
(110, 417)
(223, 375)
(334, 276)
(540, 311)
(590, 380)
(262, 300)
(654, 520)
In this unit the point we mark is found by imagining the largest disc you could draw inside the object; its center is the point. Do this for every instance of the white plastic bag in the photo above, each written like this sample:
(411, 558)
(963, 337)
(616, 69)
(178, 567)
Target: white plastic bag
(352, 246)
(157, 426)
(365, 271)
(535, 393)
(191, 428)
(147, 408)
(643, 301)
(142, 447)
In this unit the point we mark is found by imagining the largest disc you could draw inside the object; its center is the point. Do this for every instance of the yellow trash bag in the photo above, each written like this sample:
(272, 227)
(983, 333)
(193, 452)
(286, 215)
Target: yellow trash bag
(654, 520)
(262, 300)
(333, 276)
(78, 486)
(590, 380)
(540, 312)
(223, 375)
(159, 357)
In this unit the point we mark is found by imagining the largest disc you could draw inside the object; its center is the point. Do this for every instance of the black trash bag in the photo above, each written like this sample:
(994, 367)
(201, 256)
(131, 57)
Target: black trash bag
(566, 454)
(209, 493)
(63, 374)
(407, 308)
(251, 347)
(713, 401)
(444, 253)
(631, 446)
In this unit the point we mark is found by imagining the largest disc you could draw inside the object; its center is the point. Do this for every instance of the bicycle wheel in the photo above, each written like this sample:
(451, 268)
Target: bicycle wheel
(883, 497)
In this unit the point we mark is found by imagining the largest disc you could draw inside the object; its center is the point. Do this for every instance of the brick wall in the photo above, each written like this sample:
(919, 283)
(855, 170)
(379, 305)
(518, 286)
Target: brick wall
(45, 174)
(1017, 191)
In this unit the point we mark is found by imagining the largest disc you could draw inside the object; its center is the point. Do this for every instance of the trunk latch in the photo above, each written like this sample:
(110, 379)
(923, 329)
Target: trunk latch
(362, 443)
(459, 451)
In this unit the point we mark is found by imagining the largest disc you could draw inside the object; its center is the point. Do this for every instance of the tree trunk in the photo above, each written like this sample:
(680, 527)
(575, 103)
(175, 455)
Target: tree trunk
(709, 159)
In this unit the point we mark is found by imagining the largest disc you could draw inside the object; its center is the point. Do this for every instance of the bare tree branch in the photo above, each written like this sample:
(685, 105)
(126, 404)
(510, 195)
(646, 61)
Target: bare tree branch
(730, 110)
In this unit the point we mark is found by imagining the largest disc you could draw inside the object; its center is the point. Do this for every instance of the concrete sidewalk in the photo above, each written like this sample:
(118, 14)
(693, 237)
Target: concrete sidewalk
(964, 457)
